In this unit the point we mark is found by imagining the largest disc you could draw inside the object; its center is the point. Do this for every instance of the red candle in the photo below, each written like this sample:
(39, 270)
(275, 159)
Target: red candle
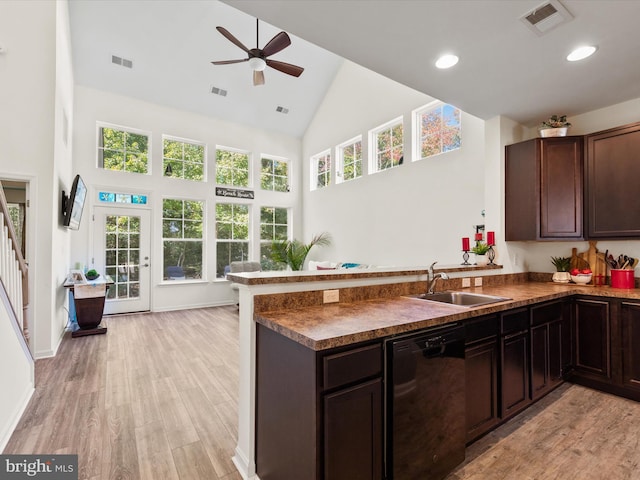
(478, 237)
(491, 238)
(465, 244)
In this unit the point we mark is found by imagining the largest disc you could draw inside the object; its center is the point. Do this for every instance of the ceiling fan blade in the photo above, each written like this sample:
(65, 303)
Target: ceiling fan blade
(227, 62)
(231, 38)
(258, 77)
(277, 43)
(287, 68)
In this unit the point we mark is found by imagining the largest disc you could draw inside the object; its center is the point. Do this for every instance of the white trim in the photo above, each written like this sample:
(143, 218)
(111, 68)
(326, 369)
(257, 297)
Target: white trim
(5, 436)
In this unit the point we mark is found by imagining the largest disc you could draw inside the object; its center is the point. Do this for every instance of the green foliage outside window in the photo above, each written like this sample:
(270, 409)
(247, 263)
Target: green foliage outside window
(186, 160)
(274, 175)
(232, 234)
(123, 151)
(182, 226)
(273, 227)
(232, 168)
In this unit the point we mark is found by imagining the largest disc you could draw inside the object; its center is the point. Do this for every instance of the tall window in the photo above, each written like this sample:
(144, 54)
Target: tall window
(274, 226)
(321, 170)
(437, 130)
(350, 160)
(183, 159)
(183, 241)
(387, 145)
(232, 235)
(123, 150)
(232, 168)
(274, 175)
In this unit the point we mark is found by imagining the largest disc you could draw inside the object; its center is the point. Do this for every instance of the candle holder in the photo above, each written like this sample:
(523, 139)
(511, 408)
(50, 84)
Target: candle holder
(491, 254)
(465, 257)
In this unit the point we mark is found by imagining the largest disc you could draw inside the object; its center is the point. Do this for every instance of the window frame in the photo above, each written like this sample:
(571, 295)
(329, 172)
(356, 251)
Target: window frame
(417, 128)
(135, 131)
(340, 159)
(274, 158)
(262, 242)
(314, 173)
(373, 144)
(185, 141)
(249, 155)
(248, 240)
(202, 240)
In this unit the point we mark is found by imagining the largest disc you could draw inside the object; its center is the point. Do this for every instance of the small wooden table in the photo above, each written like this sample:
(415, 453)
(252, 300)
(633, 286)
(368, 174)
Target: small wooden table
(88, 298)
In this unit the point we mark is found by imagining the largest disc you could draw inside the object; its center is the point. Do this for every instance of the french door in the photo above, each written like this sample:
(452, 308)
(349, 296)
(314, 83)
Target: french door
(122, 246)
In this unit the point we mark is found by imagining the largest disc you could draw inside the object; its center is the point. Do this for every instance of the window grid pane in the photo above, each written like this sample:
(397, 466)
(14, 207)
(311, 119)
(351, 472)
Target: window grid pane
(121, 150)
(389, 147)
(122, 255)
(232, 168)
(274, 175)
(232, 232)
(322, 168)
(273, 227)
(185, 159)
(182, 232)
(351, 161)
(440, 130)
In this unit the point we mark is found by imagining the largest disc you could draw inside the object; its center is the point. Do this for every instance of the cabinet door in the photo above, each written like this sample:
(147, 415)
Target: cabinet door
(515, 373)
(481, 365)
(561, 187)
(539, 360)
(613, 167)
(353, 433)
(556, 353)
(592, 338)
(630, 317)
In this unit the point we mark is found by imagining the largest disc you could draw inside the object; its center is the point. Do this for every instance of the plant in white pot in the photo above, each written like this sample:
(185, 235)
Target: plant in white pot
(562, 265)
(554, 126)
(481, 249)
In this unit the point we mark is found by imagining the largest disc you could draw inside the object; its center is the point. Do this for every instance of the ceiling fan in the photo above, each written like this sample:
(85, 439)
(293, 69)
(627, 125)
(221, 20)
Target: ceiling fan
(257, 57)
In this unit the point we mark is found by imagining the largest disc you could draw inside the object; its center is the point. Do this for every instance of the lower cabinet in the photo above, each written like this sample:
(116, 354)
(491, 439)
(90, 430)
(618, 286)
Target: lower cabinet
(592, 326)
(630, 325)
(547, 331)
(514, 355)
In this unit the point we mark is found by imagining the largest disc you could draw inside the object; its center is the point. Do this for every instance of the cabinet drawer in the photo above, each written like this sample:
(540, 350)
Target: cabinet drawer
(480, 329)
(514, 321)
(351, 365)
(546, 313)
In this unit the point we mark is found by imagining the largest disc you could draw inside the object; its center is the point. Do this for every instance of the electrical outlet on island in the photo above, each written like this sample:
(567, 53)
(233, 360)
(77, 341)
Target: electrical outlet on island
(330, 296)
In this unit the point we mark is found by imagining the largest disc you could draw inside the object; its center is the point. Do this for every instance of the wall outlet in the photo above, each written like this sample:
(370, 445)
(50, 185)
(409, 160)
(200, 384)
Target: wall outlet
(477, 281)
(466, 282)
(330, 296)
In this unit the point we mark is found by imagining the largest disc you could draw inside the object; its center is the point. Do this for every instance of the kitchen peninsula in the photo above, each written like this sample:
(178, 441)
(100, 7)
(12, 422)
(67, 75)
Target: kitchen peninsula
(372, 305)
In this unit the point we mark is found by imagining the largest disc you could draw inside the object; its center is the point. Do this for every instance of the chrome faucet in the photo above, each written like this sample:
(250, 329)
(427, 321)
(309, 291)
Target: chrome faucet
(433, 278)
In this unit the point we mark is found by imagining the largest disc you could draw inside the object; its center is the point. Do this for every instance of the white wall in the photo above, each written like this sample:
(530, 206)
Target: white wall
(35, 79)
(92, 106)
(413, 214)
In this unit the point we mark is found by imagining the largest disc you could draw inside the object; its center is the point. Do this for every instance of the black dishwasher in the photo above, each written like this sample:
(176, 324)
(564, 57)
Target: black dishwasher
(425, 403)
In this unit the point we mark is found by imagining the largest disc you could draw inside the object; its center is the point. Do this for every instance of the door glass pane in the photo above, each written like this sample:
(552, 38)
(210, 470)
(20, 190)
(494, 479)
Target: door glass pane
(123, 261)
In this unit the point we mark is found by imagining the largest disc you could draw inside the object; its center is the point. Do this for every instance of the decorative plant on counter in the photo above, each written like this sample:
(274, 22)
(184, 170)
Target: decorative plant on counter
(562, 264)
(294, 252)
(480, 248)
(555, 121)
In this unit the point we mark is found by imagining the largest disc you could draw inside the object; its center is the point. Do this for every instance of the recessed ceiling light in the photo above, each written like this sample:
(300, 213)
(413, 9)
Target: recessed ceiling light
(447, 61)
(581, 53)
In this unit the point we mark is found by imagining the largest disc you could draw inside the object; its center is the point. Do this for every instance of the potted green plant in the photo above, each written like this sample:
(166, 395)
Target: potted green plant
(554, 126)
(562, 265)
(294, 252)
(480, 249)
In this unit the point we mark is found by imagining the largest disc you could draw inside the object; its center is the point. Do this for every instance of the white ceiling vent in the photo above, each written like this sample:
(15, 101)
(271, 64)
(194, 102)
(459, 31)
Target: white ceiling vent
(123, 62)
(218, 91)
(546, 17)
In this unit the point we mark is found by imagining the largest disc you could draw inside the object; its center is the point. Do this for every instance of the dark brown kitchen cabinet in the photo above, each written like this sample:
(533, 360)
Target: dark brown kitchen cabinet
(592, 337)
(546, 347)
(319, 415)
(514, 361)
(543, 189)
(612, 172)
(630, 327)
(481, 365)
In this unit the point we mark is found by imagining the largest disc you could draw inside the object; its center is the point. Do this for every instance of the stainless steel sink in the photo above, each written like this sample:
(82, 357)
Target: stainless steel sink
(464, 299)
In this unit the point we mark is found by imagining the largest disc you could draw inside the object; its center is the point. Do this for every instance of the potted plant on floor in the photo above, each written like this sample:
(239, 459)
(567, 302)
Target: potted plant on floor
(554, 126)
(481, 249)
(294, 252)
(562, 265)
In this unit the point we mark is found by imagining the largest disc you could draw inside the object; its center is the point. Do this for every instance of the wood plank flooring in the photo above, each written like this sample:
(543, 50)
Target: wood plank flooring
(156, 398)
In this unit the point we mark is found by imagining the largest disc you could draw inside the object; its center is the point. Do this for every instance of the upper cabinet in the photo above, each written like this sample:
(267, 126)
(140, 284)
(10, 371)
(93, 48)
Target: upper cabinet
(543, 189)
(612, 181)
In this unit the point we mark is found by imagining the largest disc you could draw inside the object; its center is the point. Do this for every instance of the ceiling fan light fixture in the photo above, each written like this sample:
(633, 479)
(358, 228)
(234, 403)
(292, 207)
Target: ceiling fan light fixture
(447, 61)
(581, 53)
(257, 64)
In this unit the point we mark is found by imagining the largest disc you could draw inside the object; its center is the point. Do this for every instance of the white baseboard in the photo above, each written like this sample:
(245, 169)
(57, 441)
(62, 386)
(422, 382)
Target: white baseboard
(192, 306)
(7, 431)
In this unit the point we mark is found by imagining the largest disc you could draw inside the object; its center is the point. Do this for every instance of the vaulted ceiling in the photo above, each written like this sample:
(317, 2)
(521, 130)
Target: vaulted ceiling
(504, 69)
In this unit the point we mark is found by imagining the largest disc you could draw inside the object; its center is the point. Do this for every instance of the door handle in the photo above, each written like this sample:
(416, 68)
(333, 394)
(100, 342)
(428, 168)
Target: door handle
(145, 265)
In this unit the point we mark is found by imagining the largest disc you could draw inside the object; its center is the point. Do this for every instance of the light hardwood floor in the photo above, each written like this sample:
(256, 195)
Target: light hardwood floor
(156, 398)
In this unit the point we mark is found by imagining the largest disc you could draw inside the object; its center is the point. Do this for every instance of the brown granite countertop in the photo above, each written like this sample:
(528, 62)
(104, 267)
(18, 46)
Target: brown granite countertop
(338, 324)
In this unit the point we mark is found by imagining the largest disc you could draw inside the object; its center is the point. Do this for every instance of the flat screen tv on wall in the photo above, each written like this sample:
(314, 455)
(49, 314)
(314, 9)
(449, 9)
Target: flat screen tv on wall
(73, 204)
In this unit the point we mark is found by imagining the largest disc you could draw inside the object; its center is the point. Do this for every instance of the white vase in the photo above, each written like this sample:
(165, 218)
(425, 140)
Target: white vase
(481, 260)
(561, 277)
(553, 132)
